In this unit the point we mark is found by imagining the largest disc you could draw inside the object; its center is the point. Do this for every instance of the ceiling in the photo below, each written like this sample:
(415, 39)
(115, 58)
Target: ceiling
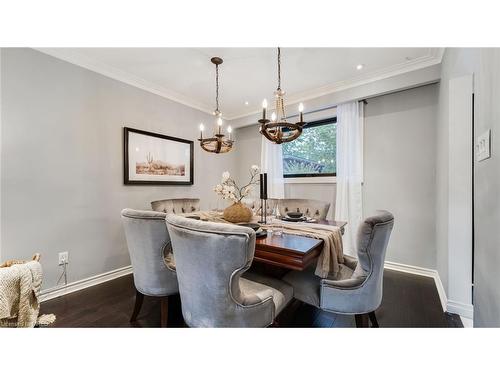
(248, 75)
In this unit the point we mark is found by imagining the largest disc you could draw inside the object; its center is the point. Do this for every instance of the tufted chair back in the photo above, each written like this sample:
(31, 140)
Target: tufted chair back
(313, 208)
(148, 244)
(210, 258)
(176, 206)
(362, 292)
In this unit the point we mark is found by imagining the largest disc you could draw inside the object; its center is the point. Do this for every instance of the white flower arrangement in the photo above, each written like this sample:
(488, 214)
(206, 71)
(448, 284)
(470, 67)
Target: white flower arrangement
(228, 189)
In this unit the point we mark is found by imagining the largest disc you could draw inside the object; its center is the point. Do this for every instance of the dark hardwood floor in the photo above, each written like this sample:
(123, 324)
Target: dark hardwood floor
(409, 301)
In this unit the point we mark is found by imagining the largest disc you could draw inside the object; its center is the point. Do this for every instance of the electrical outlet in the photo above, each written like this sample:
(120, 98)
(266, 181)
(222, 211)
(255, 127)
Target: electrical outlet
(63, 258)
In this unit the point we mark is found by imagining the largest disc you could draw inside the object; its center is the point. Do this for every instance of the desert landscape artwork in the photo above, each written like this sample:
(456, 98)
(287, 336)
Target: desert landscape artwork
(152, 158)
(159, 167)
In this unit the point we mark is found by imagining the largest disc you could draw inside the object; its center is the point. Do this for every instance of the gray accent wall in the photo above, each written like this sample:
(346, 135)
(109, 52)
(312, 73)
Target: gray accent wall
(484, 64)
(62, 162)
(400, 172)
(487, 188)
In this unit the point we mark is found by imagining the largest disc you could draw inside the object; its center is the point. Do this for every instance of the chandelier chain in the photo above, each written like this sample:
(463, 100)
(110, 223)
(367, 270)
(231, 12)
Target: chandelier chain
(279, 68)
(217, 87)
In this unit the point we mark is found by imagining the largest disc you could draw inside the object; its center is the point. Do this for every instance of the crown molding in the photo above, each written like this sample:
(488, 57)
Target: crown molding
(106, 70)
(434, 57)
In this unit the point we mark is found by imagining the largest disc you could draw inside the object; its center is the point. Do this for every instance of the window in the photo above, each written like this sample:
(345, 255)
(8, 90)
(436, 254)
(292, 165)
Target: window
(313, 153)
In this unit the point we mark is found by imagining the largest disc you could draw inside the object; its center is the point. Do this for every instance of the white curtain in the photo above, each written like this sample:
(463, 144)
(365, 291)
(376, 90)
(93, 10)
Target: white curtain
(349, 205)
(271, 162)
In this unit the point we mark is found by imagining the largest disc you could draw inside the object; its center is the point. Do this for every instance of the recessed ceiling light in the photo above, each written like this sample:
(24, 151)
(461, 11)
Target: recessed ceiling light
(246, 103)
(359, 66)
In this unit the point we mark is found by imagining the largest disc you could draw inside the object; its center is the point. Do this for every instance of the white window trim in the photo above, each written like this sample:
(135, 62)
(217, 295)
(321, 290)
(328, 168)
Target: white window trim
(311, 180)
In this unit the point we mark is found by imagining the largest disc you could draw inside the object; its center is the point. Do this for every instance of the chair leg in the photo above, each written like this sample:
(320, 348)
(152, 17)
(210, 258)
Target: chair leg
(275, 323)
(373, 319)
(164, 312)
(139, 298)
(361, 320)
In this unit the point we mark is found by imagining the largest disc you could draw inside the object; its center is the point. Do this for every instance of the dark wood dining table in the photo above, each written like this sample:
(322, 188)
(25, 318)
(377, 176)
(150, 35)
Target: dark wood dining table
(291, 251)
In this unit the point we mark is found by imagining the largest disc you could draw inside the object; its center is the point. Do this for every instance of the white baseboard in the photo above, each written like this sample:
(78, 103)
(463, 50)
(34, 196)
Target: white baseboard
(422, 272)
(468, 323)
(465, 310)
(59, 291)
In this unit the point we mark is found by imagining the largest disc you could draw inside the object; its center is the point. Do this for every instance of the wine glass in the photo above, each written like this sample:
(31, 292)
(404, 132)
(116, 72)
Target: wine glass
(276, 221)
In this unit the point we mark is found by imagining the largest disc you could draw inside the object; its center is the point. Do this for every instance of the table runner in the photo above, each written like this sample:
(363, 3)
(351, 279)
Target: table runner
(331, 255)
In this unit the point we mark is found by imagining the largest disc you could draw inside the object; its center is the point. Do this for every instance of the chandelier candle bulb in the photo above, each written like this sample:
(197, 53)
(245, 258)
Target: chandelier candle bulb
(264, 107)
(301, 110)
(229, 131)
(273, 117)
(219, 126)
(202, 127)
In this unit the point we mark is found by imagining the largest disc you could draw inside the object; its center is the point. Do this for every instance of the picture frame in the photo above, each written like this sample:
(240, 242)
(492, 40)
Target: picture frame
(156, 159)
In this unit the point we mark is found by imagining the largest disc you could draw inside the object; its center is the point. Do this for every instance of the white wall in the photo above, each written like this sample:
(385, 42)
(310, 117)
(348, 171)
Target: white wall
(399, 170)
(62, 163)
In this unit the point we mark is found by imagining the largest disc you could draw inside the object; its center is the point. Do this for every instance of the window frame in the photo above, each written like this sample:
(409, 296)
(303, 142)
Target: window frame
(313, 124)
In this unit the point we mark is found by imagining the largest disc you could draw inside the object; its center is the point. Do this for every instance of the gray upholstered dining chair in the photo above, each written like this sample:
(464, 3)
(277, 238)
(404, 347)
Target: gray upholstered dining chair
(309, 207)
(150, 253)
(358, 289)
(176, 206)
(210, 261)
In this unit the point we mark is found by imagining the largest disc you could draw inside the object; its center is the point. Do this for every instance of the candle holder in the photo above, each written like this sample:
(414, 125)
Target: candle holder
(263, 211)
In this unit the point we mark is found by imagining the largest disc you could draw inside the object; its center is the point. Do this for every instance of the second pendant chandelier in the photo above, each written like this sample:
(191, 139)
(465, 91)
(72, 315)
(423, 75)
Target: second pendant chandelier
(278, 129)
(218, 143)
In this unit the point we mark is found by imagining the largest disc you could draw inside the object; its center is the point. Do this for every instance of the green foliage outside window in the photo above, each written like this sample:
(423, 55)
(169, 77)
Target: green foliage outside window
(313, 152)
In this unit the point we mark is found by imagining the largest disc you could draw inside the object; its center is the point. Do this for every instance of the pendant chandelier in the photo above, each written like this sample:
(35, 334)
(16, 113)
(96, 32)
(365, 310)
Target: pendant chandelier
(278, 129)
(219, 143)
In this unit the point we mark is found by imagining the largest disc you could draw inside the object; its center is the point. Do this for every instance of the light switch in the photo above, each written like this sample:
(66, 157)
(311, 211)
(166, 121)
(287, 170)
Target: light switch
(483, 146)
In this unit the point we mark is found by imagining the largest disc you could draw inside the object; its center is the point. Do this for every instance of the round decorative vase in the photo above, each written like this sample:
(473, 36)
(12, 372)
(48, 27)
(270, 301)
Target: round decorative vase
(238, 213)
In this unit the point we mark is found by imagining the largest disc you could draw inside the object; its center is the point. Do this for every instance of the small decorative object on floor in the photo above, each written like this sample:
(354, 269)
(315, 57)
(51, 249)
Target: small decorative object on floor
(20, 283)
(227, 189)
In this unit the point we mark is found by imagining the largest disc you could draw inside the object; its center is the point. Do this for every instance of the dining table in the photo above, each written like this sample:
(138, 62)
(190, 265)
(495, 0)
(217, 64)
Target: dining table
(285, 251)
(291, 251)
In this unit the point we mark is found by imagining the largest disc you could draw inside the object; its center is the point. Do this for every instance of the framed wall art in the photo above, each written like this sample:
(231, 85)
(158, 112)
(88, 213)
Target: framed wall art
(157, 159)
